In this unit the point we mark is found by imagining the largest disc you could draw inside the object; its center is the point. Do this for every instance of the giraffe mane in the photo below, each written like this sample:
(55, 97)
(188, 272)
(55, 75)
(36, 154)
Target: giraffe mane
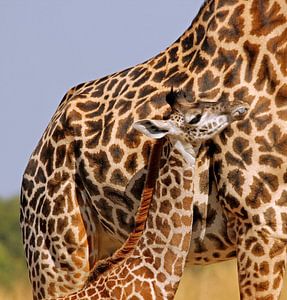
(141, 217)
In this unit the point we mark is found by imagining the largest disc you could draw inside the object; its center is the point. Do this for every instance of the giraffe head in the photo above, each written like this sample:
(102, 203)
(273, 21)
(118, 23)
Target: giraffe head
(191, 123)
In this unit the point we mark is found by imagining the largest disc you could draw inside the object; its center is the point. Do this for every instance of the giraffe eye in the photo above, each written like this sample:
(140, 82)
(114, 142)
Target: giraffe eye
(195, 120)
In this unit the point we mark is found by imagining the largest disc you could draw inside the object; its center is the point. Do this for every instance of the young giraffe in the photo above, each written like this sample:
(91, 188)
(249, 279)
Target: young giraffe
(85, 178)
(150, 263)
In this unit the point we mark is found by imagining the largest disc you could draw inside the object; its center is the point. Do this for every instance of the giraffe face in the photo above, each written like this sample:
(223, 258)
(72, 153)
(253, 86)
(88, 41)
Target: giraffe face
(190, 124)
(205, 119)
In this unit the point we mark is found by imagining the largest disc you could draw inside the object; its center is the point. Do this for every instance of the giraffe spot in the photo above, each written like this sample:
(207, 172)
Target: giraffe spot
(137, 187)
(47, 157)
(256, 220)
(176, 80)
(277, 249)
(278, 267)
(31, 167)
(130, 94)
(244, 126)
(257, 250)
(51, 228)
(278, 139)
(82, 182)
(158, 100)
(199, 63)
(46, 208)
(112, 83)
(236, 179)
(60, 156)
(62, 224)
(27, 186)
(165, 207)
(233, 161)
(284, 222)
(266, 76)
(258, 194)
(282, 115)
(55, 183)
(59, 205)
(225, 58)
(204, 182)
(262, 286)
(277, 46)
(240, 147)
(282, 201)
(136, 72)
(276, 283)
(169, 260)
(118, 178)
(165, 227)
(99, 89)
(186, 58)
(99, 163)
(263, 105)
(108, 128)
(146, 90)
(270, 160)
(146, 149)
(266, 17)
(38, 197)
(175, 192)
(234, 30)
(251, 52)
(142, 79)
(224, 3)
(123, 106)
(209, 46)
(118, 198)
(173, 54)
(117, 153)
(281, 96)
(161, 61)
(70, 128)
(270, 179)
(264, 268)
(207, 81)
(161, 277)
(200, 32)
(144, 110)
(249, 242)
(232, 77)
(270, 218)
(98, 112)
(158, 76)
(187, 42)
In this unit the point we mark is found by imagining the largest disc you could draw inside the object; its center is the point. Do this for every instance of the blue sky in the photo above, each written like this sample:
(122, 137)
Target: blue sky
(49, 46)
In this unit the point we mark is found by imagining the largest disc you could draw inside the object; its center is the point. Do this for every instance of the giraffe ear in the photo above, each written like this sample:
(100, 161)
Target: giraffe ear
(154, 128)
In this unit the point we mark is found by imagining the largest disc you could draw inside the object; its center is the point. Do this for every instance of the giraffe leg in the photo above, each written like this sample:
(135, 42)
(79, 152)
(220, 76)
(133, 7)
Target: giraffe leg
(261, 261)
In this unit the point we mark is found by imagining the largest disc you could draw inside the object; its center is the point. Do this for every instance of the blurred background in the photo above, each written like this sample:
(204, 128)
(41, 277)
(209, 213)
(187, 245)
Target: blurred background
(48, 47)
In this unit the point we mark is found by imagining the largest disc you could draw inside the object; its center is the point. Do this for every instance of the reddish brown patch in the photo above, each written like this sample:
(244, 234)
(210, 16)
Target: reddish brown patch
(266, 17)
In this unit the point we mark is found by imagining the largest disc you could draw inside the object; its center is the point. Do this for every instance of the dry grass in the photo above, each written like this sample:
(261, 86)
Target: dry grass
(21, 291)
(214, 282)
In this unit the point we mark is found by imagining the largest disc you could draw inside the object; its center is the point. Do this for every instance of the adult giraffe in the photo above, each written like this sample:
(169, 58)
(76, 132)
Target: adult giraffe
(87, 172)
(150, 263)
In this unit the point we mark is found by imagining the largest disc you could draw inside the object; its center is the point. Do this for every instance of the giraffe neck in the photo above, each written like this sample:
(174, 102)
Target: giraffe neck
(165, 241)
(160, 242)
